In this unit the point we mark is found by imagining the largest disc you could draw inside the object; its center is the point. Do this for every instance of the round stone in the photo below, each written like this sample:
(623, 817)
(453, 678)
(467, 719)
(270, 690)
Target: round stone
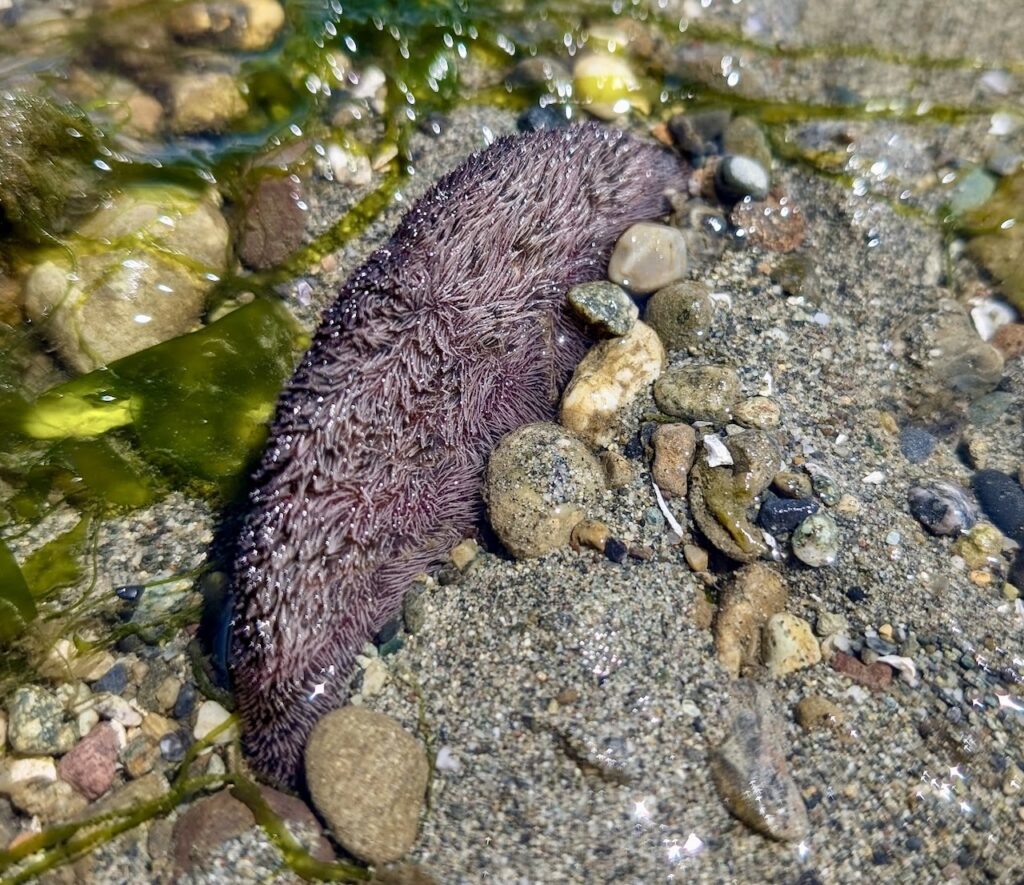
(761, 412)
(740, 177)
(541, 480)
(648, 257)
(681, 313)
(368, 778)
(944, 508)
(816, 540)
(1002, 499)
(916, 443)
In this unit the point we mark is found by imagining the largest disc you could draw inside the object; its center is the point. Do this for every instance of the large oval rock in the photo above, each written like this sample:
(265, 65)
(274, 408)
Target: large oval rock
(608, 380)
(540, 481)
(143, 266)
(367, 777)
(648, 257)
(698, 393)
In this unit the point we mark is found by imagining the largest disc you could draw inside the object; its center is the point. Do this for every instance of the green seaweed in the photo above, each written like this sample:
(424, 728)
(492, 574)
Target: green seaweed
(196, 406)
(57, 564)
(17, 607)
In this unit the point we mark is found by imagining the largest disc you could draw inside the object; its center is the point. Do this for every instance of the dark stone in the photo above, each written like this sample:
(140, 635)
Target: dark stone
(880, 857)
(856, 594)
(913, 843)
(1002, 499)
(698, 134)
(944, 508)
(547, 117)
(185, 703)
(615, 550)
(130, 592)
(272, 224)
(917, 444)
(781, 515)
(392, 646)
(173, 745)
(115, 680)
(388, 632)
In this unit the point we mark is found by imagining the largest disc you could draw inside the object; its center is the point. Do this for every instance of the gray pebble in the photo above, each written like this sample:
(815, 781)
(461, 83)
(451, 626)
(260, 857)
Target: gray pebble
(916, 443)
(604, 307)
(816, 540)
(648, 257)
(681, 313)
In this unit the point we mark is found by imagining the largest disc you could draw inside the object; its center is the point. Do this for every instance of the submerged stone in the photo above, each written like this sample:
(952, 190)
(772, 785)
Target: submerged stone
(749, 769)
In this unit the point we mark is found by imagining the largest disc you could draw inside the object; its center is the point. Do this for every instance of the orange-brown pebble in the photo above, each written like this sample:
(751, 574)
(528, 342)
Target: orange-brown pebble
(1009, 340)
(618, 469)
(589, 533)
(696, 557)
(674, 448)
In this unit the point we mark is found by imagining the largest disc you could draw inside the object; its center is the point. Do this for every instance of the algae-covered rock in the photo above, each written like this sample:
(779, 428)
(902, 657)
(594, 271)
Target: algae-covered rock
(138, 275)
(46, 149)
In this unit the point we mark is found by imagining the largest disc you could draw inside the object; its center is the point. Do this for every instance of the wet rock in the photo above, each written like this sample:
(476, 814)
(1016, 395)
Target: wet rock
(606, 85)
(116, 709)
(129, 289)
(50, 801)
(738, 177)
(648, 257)
(674, 448)
(780, 516)
(875, 676)
(541, 70)
(540, 482)
(945, 344)
(1008, 339)
(774, 223)
(760, 412)
(788, 645)
(816, 540)
(204, 102)
(981, 547)
(698, 393)
(826, 487)
(916, 444)
(797, 276)
(996, 246)
(209, 716)
(681, 313)
(749, 769)
(608, 380)
(272, 222)
(590, 533)
(696, 133)
(721, 497)
(604, 307)
(536, 118)
(367, 777)
(22, 769)
(744, 137)
(248, 25)
(944, 508)
(201, 831)
(792, 484)
(618, 469)
(1002, 499)
(90, 766)
(140, 756)
(118, 100)
(115, 680)
(35, 723)
(971, 191)
(755, 594)
(815, 712)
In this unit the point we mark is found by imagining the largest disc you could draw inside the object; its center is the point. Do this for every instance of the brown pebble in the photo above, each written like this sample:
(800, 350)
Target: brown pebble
(567, 696)
(875, 676)
(590, 533)
(696, 557)
(1009, 340)
(775, 223)
(674, 448)
(814, 711)
(618, 469)
(464, 553)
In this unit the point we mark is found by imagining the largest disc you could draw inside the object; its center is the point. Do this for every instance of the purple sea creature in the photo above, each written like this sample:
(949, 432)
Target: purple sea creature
(449, 336)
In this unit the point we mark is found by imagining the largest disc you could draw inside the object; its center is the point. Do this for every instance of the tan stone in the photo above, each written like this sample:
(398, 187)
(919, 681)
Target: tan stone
(608, 380)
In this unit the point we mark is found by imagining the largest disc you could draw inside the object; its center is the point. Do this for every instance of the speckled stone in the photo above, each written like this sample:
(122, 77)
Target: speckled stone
(36, 723)
(368, 777)
(681, 313)
(816, 540)
(541, 480)
(604, 307)
(789, 644)
(674, 449)
(698, 393)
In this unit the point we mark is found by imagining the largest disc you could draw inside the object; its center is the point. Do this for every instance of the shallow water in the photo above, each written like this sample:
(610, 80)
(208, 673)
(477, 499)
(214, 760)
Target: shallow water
(899, 133)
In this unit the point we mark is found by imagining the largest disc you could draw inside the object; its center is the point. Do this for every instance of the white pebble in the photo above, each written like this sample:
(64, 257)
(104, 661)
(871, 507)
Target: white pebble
(209, 716)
